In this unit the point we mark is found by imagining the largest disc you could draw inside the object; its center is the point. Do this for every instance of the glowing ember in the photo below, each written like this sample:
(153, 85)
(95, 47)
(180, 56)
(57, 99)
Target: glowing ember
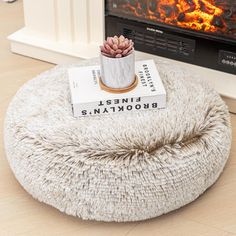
(203, 15)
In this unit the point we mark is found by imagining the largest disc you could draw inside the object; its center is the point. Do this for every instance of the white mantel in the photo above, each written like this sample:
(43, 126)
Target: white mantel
(60, 31)
(65, 31)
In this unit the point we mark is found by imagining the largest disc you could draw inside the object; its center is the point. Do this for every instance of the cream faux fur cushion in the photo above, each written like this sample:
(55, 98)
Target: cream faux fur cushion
(121, 167)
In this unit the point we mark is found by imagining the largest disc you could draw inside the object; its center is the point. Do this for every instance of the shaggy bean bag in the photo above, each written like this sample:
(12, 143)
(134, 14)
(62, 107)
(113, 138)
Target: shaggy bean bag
(120, 167)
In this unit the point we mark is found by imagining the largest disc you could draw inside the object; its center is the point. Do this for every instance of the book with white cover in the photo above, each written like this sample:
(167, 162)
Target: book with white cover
(89, 99)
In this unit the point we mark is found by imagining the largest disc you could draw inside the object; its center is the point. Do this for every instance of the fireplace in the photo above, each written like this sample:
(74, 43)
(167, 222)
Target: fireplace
(201, 32)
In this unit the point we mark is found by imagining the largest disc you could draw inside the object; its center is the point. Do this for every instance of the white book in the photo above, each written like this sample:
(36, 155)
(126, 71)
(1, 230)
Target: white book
(88, 99)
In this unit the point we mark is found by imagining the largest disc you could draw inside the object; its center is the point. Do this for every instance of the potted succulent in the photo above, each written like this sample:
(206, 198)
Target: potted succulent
(118, 65)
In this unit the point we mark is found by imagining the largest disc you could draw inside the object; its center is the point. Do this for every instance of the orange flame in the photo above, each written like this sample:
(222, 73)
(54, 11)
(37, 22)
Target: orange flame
(201, 15)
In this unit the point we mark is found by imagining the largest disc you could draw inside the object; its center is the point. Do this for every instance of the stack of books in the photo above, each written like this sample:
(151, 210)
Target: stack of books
(88, 99)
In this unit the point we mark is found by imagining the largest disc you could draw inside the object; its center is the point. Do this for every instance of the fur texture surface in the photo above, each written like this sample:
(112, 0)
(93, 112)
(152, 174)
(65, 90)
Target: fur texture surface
(122, 167)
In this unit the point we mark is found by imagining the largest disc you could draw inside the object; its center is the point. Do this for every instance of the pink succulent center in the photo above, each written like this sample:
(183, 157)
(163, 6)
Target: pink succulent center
(117, 47)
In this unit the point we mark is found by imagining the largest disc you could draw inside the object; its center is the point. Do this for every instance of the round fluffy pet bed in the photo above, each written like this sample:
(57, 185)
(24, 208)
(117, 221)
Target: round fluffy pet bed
(122, 167)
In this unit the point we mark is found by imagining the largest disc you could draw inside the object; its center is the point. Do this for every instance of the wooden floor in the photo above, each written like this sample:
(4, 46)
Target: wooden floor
(214, 213)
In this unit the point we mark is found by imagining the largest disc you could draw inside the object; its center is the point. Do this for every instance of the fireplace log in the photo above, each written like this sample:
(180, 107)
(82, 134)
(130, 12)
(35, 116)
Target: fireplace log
(152, 6)
(168, 10)
(217, 21)
(200, 20)
(132, 2)
(228, 13)
(181, 17)
(192, 5)
(143, 6)
(205, 8)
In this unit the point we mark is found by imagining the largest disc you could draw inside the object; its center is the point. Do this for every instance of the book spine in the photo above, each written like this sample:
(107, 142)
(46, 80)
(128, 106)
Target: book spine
(119, 105)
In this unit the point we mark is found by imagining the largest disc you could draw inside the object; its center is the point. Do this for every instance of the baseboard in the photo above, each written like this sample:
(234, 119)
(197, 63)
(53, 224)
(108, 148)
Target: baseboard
(231, 102)
(26, 43)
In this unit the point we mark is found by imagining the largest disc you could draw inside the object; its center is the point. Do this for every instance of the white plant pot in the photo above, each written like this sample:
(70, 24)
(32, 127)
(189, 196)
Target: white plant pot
(118, 73)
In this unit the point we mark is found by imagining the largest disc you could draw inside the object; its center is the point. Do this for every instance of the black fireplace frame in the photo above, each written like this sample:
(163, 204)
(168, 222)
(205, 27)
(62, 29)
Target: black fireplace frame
(211, 51)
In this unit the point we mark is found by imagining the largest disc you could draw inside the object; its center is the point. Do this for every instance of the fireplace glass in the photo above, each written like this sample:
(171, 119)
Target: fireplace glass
(211, 17)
